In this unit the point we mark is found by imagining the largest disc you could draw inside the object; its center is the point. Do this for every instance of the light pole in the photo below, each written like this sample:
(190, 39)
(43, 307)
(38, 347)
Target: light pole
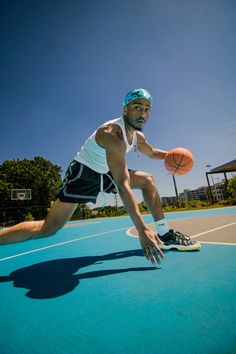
(176, 191)
(214, 197)
(116, 202)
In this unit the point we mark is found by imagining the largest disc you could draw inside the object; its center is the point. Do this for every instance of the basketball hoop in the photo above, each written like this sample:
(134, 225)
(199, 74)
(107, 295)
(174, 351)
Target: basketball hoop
(21, 196)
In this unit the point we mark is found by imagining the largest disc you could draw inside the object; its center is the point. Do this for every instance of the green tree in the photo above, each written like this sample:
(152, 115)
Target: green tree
(231, 187)
(182, 203)
(82, 212)
(39, 175)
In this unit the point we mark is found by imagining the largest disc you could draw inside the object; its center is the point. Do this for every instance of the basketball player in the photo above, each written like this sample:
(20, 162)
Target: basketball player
(100, 166)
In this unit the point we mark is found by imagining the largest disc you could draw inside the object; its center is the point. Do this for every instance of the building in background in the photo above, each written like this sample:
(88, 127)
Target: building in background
(201, 193)
(218, 191)
(166, 201)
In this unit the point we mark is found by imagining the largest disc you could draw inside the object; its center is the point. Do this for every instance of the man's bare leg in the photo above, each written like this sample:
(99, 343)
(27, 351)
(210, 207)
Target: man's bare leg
(59, 214)
(176, 240)
(145, 182)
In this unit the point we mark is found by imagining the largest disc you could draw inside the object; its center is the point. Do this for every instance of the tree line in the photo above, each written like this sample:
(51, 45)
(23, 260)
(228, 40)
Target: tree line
(44, 178)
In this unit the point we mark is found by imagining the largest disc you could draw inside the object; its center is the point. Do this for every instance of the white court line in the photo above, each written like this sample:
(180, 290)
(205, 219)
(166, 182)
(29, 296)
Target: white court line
(219, 243)
(61, 243)
(107, 232)
(212, 230)
(202, 233)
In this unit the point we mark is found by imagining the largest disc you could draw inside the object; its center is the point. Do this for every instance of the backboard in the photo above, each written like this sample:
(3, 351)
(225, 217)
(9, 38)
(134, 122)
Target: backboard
(20, 194)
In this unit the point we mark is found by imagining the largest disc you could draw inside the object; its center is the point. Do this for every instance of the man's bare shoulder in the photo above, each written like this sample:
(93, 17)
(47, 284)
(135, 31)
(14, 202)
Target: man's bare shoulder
(110, 129)
(109, 134)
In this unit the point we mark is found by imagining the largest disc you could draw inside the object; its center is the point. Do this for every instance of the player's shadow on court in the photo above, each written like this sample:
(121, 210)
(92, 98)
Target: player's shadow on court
(55, 278)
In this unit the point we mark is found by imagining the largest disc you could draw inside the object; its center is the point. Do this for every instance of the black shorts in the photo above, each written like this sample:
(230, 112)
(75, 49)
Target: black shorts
(82, 185)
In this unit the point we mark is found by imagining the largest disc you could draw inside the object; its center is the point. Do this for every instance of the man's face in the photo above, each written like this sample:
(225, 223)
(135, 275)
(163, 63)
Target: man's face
(136, 113)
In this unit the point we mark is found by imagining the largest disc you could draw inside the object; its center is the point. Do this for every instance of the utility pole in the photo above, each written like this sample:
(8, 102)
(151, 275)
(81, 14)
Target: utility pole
(176, 191)
(116, 201)
(214, 197)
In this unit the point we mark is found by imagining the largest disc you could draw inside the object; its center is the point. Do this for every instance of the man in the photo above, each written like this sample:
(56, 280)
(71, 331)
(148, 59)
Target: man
(100, 166)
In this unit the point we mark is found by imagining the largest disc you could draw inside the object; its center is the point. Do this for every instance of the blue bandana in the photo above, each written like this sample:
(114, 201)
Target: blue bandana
(137, 93)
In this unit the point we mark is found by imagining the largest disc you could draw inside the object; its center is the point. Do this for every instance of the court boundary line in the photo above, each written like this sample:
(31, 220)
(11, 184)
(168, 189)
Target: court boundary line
(215, 229)
(61, 243)
(219, 243)
(112, 231)
(195, 210)
(128, 232)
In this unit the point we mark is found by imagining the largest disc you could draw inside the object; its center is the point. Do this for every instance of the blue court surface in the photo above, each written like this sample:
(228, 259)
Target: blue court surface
(89, 289)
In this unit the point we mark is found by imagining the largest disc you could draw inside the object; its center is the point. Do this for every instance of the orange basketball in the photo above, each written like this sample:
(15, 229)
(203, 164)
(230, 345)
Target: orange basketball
(179, 161)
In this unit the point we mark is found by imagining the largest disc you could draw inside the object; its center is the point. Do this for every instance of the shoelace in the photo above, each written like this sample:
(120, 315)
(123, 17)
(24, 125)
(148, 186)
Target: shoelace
(181, 238)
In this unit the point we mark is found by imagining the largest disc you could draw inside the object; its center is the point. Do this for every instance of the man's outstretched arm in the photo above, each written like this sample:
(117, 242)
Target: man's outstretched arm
(148, 150)
(115, 152)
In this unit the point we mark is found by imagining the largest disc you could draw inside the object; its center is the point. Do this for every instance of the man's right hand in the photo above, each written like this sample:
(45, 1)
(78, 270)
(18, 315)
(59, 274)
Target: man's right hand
(149, 242)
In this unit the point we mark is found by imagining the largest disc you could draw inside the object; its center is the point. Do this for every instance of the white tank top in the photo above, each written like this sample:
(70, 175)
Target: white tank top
(94, 156)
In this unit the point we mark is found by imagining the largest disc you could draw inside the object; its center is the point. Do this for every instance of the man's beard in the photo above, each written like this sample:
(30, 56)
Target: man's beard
(133, 126)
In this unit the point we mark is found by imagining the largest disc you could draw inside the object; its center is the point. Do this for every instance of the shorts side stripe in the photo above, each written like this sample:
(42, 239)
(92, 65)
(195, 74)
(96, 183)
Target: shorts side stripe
(109, 186)
(78, 175)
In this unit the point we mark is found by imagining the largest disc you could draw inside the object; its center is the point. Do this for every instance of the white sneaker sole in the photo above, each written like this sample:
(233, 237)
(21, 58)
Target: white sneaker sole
(182, 248)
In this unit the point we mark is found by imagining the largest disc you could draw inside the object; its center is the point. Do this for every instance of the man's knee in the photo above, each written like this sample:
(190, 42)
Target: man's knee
(48, 231)
(150, 182)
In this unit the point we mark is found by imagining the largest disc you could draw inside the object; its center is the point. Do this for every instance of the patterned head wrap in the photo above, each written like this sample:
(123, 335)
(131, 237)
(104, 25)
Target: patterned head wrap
(137, 93)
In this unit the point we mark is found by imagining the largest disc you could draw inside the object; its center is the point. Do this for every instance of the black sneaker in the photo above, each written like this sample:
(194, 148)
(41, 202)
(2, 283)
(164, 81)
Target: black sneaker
(179, 241)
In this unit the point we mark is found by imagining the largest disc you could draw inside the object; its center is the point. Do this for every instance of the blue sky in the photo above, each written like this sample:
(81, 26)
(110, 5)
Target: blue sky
(65, 67)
